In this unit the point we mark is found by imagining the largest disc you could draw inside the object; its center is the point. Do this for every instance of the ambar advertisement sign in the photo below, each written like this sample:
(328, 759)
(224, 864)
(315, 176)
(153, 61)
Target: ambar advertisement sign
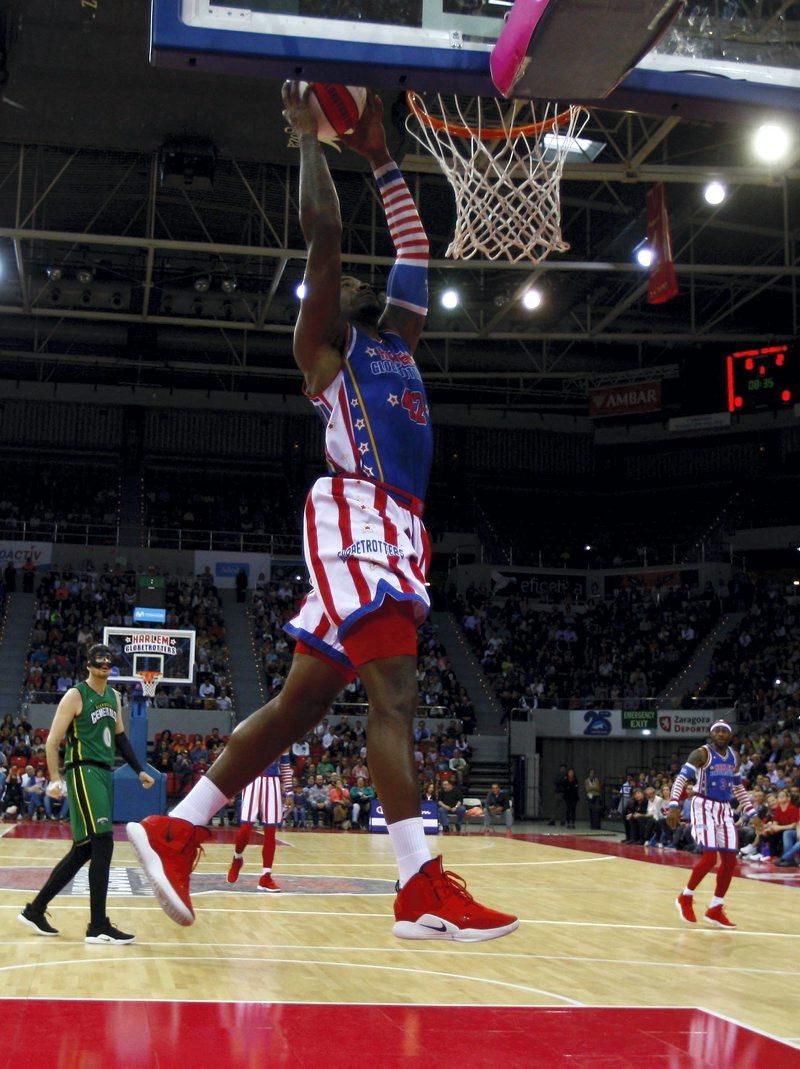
(625, 400)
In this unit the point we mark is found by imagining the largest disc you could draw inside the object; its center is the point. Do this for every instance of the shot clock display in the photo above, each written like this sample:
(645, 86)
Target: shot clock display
(762, 378)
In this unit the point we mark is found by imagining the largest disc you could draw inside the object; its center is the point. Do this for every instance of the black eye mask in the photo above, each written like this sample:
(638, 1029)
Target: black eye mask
(100, 656)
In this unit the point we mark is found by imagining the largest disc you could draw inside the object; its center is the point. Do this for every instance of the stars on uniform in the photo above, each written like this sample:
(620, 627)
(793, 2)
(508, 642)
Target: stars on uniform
(354, 402)
(372, 351)
(363, 448)
(369, 471)
(360, 424)
(393, 400)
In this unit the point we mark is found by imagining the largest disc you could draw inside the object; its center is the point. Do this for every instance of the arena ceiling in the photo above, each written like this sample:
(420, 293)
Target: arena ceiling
(84, 123)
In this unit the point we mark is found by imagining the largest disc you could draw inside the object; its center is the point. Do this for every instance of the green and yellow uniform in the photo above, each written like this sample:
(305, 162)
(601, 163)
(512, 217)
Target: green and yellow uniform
(89, 762)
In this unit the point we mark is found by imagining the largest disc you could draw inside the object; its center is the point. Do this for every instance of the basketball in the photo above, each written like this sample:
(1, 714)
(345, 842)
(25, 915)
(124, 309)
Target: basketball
(337, 108)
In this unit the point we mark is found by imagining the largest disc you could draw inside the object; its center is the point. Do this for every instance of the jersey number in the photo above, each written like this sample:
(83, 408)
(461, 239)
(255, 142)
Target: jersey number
(107, 736)
(414, 403)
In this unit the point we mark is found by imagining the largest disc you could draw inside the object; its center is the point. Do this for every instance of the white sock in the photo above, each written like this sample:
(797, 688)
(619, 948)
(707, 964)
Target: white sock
(201, 803)
(410, 847)
(715, 901)
(266, 872)
(238, 857)
(686, 891)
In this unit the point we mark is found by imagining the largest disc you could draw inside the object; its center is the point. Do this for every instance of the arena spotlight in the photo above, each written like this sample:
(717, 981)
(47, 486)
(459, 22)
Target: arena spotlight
(54, 273)
(85, 275)
(715, 193)
(300, 291)
(644, 255)
(202, 283)
(771, 142)
(449, 299)
(531, 299)
(229, 284)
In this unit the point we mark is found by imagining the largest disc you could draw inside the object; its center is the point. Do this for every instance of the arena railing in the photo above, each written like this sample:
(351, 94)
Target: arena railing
(237, 541)
(424, 712)
(589, 702)
(80, 534)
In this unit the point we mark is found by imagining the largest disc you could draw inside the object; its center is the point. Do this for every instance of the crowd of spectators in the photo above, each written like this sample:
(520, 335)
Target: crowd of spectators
(253, 504)
(757, 665)
(39, 494)
(331, 777)
(622, 649)
(273, 604)
(590, 528)
(73, 606)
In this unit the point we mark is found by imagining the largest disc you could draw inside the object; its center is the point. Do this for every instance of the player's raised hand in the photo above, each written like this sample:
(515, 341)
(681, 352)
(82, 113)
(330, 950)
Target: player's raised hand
(296, 111)
(368, 138)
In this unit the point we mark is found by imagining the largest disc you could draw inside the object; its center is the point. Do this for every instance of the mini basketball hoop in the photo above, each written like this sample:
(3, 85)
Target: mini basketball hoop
(149, 682)
(504, 163)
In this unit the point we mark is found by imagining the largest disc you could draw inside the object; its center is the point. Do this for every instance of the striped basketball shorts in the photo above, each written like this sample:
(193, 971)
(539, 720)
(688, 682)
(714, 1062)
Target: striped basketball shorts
(262, 798)
(712, 824)
(360, 547)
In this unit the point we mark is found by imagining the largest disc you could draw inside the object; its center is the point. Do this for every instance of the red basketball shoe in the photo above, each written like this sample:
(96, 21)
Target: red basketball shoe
(436, 904)
(168, 850)
(685, 907)
(266, 883)
(716, 915)
(235, 869)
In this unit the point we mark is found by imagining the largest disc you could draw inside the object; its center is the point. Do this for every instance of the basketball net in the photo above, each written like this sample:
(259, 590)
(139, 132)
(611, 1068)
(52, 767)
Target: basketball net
(504, 163)
(149, 682)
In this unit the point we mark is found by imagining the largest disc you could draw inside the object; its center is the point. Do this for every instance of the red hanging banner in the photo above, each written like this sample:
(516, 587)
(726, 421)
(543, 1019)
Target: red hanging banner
(663, 284)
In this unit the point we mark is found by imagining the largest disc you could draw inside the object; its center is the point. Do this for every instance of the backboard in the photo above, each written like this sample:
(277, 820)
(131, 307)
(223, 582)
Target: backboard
(718, 61)
(141, 649)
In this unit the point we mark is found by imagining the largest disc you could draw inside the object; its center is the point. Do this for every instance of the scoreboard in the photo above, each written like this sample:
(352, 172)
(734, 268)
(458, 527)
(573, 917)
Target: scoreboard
(762, 378)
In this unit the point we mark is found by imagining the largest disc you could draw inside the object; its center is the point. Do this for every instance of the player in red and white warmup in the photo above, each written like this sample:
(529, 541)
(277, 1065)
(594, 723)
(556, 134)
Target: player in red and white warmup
(715, 769)
(262, 798)
(365, 547)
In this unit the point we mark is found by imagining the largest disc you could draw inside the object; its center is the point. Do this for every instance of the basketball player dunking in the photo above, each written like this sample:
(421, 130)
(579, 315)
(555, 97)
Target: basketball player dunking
(715, 769)
(365, 547)
(262, 798)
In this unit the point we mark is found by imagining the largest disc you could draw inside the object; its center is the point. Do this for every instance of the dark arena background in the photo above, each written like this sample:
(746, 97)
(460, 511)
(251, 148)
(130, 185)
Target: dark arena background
(616, 555)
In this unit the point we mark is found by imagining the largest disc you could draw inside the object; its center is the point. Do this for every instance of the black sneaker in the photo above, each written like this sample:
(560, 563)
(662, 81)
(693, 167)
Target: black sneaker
(107, 933)
(36, 919)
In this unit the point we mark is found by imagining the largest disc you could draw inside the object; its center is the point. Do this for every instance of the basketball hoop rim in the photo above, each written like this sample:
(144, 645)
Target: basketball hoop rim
(492, 133)
(149, 682)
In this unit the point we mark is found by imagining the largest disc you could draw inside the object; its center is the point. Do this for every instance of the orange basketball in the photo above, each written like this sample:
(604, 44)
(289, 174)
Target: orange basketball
(337, 108)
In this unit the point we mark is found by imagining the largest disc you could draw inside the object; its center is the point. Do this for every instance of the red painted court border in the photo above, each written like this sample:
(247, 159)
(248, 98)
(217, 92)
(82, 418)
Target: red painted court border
(168, 1035)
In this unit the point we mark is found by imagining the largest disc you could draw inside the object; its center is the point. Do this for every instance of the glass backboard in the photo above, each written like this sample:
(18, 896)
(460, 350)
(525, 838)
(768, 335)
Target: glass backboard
(734, 56)
(150, 649)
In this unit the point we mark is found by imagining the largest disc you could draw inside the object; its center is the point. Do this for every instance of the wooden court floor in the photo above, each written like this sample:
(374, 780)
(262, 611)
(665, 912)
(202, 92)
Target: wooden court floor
(599, 933)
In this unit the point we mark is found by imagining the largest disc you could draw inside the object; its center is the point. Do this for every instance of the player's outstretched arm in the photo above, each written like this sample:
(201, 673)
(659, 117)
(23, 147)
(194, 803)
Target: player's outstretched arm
(320, 330)
(407, 288)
